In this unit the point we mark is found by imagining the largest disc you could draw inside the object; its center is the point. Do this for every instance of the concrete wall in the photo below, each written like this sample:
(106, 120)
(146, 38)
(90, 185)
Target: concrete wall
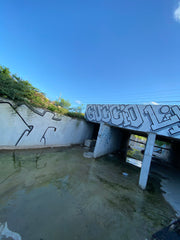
(108, 140)
(163, 120)
(23, 126)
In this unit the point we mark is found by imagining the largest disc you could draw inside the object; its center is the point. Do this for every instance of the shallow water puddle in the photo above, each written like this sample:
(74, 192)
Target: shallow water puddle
(59, 194)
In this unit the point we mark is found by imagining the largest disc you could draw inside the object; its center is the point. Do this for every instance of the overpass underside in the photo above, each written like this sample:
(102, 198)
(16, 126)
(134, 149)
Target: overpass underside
(118, 122)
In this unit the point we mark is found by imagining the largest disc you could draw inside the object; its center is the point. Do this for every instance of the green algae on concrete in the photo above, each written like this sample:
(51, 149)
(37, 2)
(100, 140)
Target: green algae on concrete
(58, 194)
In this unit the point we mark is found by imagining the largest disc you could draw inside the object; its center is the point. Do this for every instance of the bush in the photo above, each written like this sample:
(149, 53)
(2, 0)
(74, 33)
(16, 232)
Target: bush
(18, 90)
(75, 115)
(136, 154)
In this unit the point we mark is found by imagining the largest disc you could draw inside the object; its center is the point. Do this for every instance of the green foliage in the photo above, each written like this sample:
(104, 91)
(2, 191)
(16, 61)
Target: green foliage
(14, 87)
(63, 103)
(136, 154)
(76, 112)
(78, 109)
(18, 90)
(61, 110)
(140, 138)
(75, 115)
(51, 107)
(161, 143)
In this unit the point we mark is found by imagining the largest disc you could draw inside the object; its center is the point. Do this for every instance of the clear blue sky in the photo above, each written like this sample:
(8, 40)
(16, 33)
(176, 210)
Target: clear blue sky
(94, 51)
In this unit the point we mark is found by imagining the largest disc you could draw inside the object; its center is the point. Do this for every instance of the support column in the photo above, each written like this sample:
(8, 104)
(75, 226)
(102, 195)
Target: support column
(147, 160)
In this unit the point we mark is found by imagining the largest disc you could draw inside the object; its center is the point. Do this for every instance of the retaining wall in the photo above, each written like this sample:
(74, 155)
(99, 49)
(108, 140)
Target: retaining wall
(23, 126)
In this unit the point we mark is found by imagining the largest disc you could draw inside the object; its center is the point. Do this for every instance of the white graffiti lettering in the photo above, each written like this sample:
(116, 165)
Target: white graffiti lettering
(162, 119)
(116, 112)
(167, 119)
(134, 118)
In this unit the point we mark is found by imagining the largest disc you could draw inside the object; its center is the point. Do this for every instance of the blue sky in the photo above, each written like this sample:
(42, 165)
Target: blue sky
(94, 51)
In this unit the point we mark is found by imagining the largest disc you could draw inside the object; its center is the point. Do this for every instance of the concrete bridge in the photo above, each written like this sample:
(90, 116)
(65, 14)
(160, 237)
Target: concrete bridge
(118, 122)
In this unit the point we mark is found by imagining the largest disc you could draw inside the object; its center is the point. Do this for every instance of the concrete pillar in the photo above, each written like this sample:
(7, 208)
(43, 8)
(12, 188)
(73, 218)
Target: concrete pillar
(108, 140)
(147, 160)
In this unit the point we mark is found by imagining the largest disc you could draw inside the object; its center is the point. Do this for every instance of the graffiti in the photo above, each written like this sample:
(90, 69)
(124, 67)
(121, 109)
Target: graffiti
(23, 134)
(162, 119)
(128, 115)
(175, 129)
(167, 120)
(44, 135)
(15, 117)
(24, 127)
(132, 116)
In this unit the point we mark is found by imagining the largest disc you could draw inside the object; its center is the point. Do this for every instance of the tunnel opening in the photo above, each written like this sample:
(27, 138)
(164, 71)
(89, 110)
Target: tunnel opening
(90, 143)
(175, 154)
(162, 151)
(164, 167)
(136, 148)
(95, 131)
(154, 155)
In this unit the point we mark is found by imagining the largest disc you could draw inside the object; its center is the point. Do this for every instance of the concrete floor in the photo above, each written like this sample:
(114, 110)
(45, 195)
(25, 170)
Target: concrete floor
(170, 184)
(59, 194)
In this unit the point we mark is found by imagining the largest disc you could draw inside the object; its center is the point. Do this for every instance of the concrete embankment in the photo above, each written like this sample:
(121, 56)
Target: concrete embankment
(23, 127)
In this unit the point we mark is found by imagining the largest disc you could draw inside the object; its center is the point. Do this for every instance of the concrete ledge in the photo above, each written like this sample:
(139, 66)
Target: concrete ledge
(33, 147)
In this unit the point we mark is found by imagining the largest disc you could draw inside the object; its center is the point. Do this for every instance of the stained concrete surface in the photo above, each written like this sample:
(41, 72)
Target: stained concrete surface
(170, 184)
(59, 194)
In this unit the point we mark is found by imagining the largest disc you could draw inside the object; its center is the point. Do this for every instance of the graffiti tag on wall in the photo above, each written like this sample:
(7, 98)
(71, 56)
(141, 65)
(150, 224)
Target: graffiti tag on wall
(24, 126)
(162, 119)
(17, 128)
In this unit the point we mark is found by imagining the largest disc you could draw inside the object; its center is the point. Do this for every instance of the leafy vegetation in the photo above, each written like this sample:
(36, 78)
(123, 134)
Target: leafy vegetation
(62, 103)
(157, 142)
(21, 91)
(75, 114)
(161, 143)
(136, 154)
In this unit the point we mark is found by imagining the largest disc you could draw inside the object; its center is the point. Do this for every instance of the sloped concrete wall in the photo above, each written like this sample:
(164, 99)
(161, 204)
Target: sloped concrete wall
(24, 126)
(108, 140)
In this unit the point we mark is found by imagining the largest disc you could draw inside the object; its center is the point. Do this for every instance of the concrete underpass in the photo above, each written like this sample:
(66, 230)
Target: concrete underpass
(118, 122)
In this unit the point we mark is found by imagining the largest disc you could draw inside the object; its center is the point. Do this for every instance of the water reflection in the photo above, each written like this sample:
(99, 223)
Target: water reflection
(134, 162)
(59, 194)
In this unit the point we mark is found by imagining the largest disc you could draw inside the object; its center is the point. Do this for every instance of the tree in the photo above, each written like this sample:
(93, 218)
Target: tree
(63, 103)
(14, 87)
(78, 109)
(19, 90)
